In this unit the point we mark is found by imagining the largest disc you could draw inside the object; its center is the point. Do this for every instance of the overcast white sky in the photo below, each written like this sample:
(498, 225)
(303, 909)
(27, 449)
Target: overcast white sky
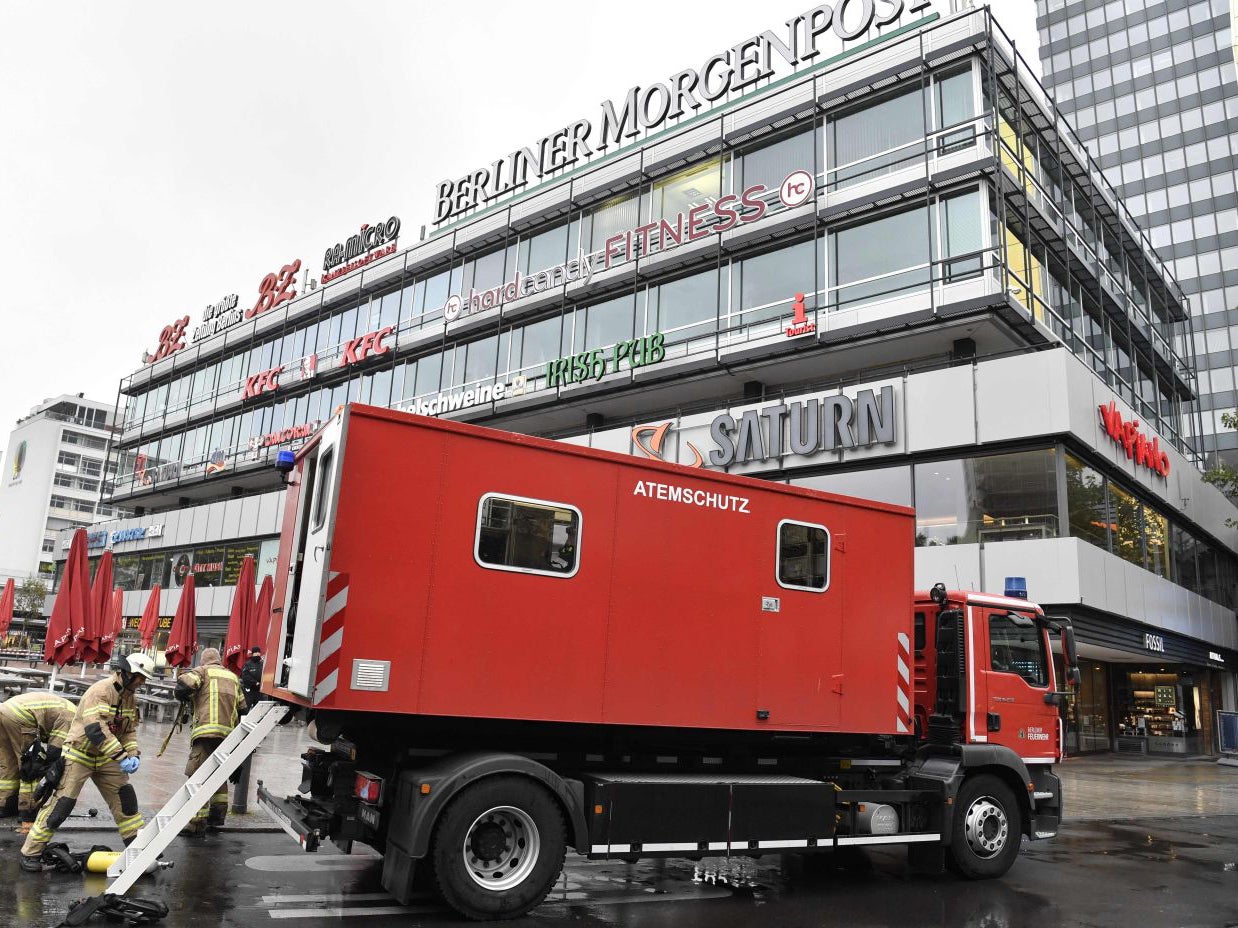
(156, 157)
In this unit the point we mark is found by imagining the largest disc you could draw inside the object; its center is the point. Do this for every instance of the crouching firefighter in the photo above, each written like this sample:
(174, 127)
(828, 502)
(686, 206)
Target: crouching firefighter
(102, 745)
(217, 701)
(26, 722)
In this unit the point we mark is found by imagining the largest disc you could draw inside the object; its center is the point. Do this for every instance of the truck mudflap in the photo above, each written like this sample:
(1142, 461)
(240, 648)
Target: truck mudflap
(296, 816)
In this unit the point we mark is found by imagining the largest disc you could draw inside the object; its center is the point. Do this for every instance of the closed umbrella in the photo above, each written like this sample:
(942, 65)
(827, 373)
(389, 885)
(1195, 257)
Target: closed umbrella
(257, 637)
(88, 638)
(113, 627)
(236, 641)
(150, 619)
(6, 607)
(183, 638)
(72, 604)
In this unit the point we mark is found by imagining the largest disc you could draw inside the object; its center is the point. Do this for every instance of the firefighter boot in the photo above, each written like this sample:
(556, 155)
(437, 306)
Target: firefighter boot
(32, 864)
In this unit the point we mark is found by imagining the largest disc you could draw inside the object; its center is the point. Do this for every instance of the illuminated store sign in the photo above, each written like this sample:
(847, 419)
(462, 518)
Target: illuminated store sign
(171, 340)
(1136, 445)
(365, 346)
(578, 268)
(223, 315)
(283, 436)
(265, 382)
(827, 423)
(464, 399)
(275, 289)
(368, 245)
(102, 539)
(596, 364)
(644, 109)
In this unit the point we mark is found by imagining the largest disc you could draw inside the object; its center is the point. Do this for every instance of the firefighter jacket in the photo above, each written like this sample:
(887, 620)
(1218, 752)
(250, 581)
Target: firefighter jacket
(217, 699)
(106, 725)
(44, 714)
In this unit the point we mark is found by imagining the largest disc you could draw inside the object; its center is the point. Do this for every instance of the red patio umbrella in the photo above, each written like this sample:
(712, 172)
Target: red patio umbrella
(183, 638)
(237, 639)
(6, 607)
(150, 619)
(88, 637)
(72, 604)
(113, 626)
(257, 637)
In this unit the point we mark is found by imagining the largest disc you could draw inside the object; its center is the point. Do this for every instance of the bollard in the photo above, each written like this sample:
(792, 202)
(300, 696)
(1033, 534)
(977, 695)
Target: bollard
(240, 792)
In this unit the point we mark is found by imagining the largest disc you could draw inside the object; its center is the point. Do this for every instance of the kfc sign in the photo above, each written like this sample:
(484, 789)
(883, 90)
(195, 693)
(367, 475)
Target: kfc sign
(1137, 446)
(266, 382)
(364, 346)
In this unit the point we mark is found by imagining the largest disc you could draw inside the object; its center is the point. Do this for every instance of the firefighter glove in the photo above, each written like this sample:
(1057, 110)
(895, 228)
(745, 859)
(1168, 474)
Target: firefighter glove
(130, 764)
(50, 781)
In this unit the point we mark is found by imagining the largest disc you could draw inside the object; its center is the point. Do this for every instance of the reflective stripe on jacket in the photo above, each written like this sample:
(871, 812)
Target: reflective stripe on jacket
(217, 700)
(48, 714)
(115, 711)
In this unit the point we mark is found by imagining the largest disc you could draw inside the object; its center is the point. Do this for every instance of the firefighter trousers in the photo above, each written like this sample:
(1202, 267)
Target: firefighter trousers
(16, 795)
(113, 784)
(199, 750)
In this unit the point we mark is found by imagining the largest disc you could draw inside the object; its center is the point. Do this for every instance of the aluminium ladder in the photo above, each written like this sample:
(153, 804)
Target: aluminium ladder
(167, 823)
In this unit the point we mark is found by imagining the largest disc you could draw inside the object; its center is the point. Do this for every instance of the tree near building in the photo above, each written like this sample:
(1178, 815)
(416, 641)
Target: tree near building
(1222, 476)
(29, 600)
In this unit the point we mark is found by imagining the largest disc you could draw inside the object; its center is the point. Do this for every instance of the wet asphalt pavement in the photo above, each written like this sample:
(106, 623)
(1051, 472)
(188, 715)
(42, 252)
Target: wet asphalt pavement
(1148, 872)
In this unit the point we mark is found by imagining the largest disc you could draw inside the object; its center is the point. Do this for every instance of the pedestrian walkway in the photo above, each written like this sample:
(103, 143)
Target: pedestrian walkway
(1111, 786)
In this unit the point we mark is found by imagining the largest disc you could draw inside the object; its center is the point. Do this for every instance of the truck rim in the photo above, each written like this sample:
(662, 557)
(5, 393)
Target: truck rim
(501, 848)
(986, 827)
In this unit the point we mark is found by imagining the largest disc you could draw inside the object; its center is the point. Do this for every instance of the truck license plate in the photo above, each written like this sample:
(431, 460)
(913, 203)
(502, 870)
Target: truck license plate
(368, 814)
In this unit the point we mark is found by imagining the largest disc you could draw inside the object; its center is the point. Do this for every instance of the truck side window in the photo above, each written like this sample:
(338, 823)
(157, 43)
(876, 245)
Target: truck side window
(1016, 649)
(528, 535)
(322, 489)
(803, 556)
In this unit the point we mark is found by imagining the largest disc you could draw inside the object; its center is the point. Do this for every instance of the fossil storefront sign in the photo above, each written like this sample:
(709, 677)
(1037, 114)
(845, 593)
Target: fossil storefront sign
(826, 423)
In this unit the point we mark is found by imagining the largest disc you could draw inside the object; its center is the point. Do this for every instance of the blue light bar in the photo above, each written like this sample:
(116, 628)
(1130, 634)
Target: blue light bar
(1016, 587)
(285, 460)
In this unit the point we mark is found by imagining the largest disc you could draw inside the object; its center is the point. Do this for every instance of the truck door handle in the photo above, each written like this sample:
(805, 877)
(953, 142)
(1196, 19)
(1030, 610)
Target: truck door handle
(318, 549)
(995, 722)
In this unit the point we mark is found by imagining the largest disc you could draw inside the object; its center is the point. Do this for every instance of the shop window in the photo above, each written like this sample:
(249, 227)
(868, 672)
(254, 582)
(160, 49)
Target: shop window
(803, 556)
(605, 324)
(528, 536)
(770, 164)
(543, 251)
(863, 266)
(688, 307)
(876, 140)
(479, 361)
(208, 565)
(962, 236)
(1085, 502)
(612, 217)
(764, 286)
(1125, 518)
(1000, 497)
(956, 103)
(698, 185)
(1017, 646)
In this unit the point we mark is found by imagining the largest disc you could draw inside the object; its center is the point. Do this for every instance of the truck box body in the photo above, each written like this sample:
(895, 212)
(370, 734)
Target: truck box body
(642, 593)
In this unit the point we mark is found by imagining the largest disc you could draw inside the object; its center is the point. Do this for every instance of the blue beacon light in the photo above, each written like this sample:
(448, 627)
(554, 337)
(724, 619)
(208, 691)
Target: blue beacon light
(1016, 587)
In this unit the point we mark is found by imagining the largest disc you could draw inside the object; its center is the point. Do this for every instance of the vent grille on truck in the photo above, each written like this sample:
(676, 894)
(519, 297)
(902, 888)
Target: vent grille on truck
(370, 675)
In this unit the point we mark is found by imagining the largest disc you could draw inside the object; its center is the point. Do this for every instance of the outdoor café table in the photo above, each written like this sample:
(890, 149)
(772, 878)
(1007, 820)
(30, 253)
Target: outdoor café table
(15, 684)
(32, 672)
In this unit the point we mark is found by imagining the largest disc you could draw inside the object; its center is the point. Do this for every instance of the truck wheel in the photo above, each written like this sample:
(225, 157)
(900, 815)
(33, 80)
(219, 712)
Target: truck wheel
(498, 848)
(987, 830)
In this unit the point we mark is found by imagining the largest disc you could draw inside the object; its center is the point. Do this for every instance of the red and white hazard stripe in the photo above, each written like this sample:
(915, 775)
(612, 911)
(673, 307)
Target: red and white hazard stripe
(331, 638)
(904, 684)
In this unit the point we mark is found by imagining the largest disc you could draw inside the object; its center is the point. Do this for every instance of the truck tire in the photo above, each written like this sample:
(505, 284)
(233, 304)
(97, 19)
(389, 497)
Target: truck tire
(987, 829)
(498, 848)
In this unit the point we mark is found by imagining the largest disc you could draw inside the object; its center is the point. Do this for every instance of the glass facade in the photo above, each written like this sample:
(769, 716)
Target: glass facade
(1150, 86)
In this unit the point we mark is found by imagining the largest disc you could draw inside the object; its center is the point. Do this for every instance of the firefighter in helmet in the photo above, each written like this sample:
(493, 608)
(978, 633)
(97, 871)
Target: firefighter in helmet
(217, 701)
(26, 722)
(102, 745)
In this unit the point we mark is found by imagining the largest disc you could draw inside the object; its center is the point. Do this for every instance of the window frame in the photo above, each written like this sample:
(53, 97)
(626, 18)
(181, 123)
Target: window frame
(512, 497)
(325, 469)
(1044, 655)
(829, 561)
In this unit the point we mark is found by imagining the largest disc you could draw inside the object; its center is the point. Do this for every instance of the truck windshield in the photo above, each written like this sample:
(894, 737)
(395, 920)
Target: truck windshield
(1019, 649)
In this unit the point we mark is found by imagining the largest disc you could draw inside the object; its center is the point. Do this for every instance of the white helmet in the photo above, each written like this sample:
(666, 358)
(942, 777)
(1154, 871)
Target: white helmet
(140, 663)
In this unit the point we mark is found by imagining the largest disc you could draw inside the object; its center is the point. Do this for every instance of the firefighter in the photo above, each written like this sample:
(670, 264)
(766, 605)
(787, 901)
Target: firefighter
(217, 702)
(24, 720)
(102, 745)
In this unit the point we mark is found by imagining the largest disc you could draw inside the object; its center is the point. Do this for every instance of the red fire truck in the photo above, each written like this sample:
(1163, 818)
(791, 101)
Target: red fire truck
(511, 646)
